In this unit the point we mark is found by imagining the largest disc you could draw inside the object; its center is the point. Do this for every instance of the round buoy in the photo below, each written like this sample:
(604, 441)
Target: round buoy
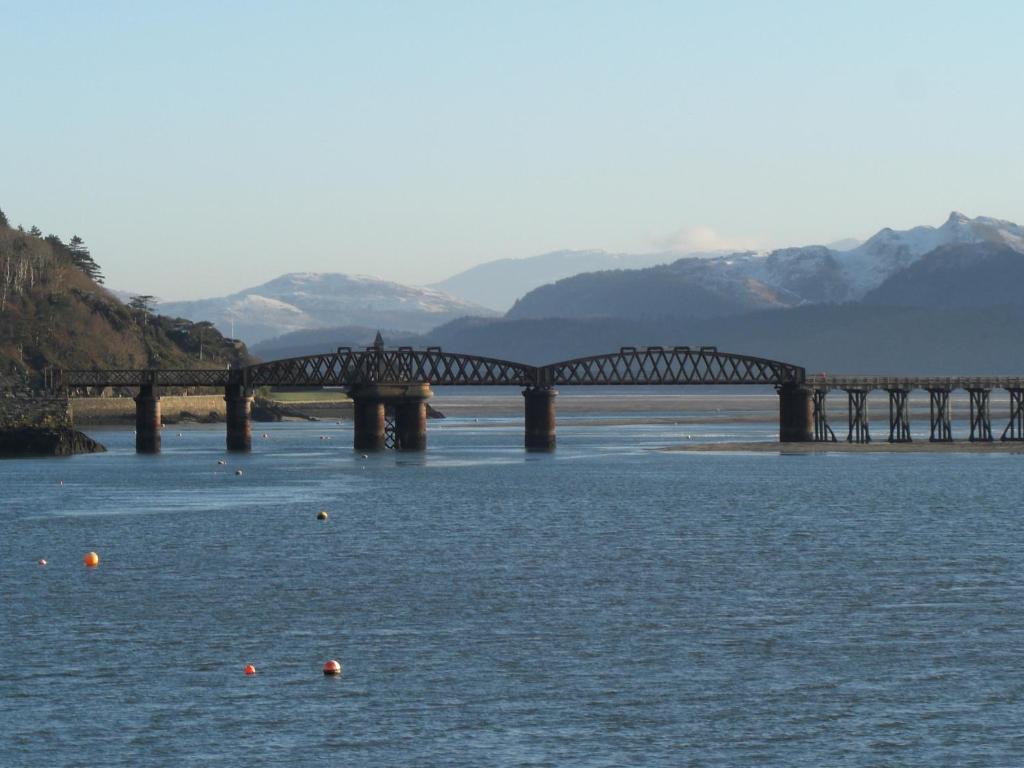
(365, 456)
(250, 669)
(91, 559)
(332, 668)
(321, 515)
(221, 462)
(42, 562)
(238, 472)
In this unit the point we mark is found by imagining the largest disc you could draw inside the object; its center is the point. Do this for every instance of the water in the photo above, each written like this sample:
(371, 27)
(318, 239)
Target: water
(607, 605)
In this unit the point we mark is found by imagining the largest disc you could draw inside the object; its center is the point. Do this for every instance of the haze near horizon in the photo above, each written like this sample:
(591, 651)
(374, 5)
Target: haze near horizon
(200, 150)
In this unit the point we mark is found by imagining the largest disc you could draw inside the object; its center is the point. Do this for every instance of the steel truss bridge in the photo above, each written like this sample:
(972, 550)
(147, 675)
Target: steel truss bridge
(389, 388)
(433, 366)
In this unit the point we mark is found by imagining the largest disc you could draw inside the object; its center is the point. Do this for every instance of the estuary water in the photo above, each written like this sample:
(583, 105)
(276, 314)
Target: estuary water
(605, 605)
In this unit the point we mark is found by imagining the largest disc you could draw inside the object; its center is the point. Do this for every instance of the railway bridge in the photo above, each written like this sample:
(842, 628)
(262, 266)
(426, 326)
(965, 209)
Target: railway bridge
(389, 389)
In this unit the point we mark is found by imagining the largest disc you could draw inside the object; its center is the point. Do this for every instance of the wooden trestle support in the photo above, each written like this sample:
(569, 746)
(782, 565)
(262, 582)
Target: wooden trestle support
(1015, 428)
(858, 416)
(981, 419)
(899, 415)
(822, 431)
(939, 417)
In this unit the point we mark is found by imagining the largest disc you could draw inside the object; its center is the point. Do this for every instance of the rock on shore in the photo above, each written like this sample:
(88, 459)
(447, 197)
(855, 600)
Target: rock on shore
(22, 442)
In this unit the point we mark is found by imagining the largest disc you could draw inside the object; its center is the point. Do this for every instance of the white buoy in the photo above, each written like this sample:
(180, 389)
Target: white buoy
(238, 472)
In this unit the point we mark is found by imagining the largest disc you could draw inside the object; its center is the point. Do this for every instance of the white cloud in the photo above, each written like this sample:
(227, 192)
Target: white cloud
(704, 238)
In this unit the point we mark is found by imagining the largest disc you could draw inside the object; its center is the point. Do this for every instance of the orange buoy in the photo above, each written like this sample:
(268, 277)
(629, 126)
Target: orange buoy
(321, 515)
(42, 562)
(91, 559)
(250, 669)
(332, 668)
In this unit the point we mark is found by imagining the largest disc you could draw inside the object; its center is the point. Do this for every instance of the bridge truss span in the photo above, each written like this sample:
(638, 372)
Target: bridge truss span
(168, 377)
(391, 366)
(674, 365)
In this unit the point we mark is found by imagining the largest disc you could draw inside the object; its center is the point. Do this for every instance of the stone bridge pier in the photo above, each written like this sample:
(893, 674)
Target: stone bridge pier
(389, 416)
(796, 413)
(539, 404)
(147, 420)
(238, 417)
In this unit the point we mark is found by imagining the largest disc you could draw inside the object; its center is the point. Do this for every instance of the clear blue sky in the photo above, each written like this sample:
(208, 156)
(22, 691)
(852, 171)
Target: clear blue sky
(203, 147)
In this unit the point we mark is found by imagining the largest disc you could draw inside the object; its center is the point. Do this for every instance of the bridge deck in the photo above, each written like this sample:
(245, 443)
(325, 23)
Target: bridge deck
(830, 382)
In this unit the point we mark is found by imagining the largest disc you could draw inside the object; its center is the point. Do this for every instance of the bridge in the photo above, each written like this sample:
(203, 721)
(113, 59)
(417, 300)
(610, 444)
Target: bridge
(389, 389)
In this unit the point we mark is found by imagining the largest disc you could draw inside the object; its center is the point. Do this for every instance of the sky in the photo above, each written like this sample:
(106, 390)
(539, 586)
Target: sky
(200, 148)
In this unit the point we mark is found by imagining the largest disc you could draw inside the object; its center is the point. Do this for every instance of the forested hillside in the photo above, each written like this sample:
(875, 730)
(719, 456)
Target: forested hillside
(54, 311)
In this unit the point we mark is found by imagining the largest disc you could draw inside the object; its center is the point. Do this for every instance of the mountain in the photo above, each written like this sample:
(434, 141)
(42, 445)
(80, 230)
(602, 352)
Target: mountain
(976, 275)
(497, 284)
(302, 300)
(785, 277)
(693, 287)
(55, 312)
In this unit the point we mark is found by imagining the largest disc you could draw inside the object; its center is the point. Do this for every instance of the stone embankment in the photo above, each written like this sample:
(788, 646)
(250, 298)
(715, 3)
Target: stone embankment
(39, 424)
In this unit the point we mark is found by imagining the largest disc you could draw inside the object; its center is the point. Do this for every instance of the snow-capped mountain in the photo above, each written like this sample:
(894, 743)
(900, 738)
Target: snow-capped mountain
(819, 274)
(303, 300)
(742, 281)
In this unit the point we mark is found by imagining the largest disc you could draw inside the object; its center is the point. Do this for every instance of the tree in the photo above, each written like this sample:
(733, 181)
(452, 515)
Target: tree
(3, 219)
(142, 303)
(37, 232)
(83, 259)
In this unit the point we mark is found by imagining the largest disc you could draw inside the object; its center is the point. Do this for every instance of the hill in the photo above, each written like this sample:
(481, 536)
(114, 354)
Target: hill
(54, 311)
(978, 275)
(303, 300)
(497, 284)
(314, 341)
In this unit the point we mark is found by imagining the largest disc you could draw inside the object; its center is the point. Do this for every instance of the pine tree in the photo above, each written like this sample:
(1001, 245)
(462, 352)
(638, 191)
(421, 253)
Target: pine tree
(36, 232)
(3, 219)
(83, 259)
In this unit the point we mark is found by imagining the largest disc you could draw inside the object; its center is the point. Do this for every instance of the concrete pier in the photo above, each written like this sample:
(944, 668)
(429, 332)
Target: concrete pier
(540, 418)
(147, 420)
(370, 404)
(238, 417)
(411, 424)
(796, 414)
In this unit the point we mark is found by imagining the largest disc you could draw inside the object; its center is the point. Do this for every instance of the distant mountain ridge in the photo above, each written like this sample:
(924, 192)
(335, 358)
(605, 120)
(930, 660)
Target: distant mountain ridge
(303, 300)
(786, 277)
(497, 284)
